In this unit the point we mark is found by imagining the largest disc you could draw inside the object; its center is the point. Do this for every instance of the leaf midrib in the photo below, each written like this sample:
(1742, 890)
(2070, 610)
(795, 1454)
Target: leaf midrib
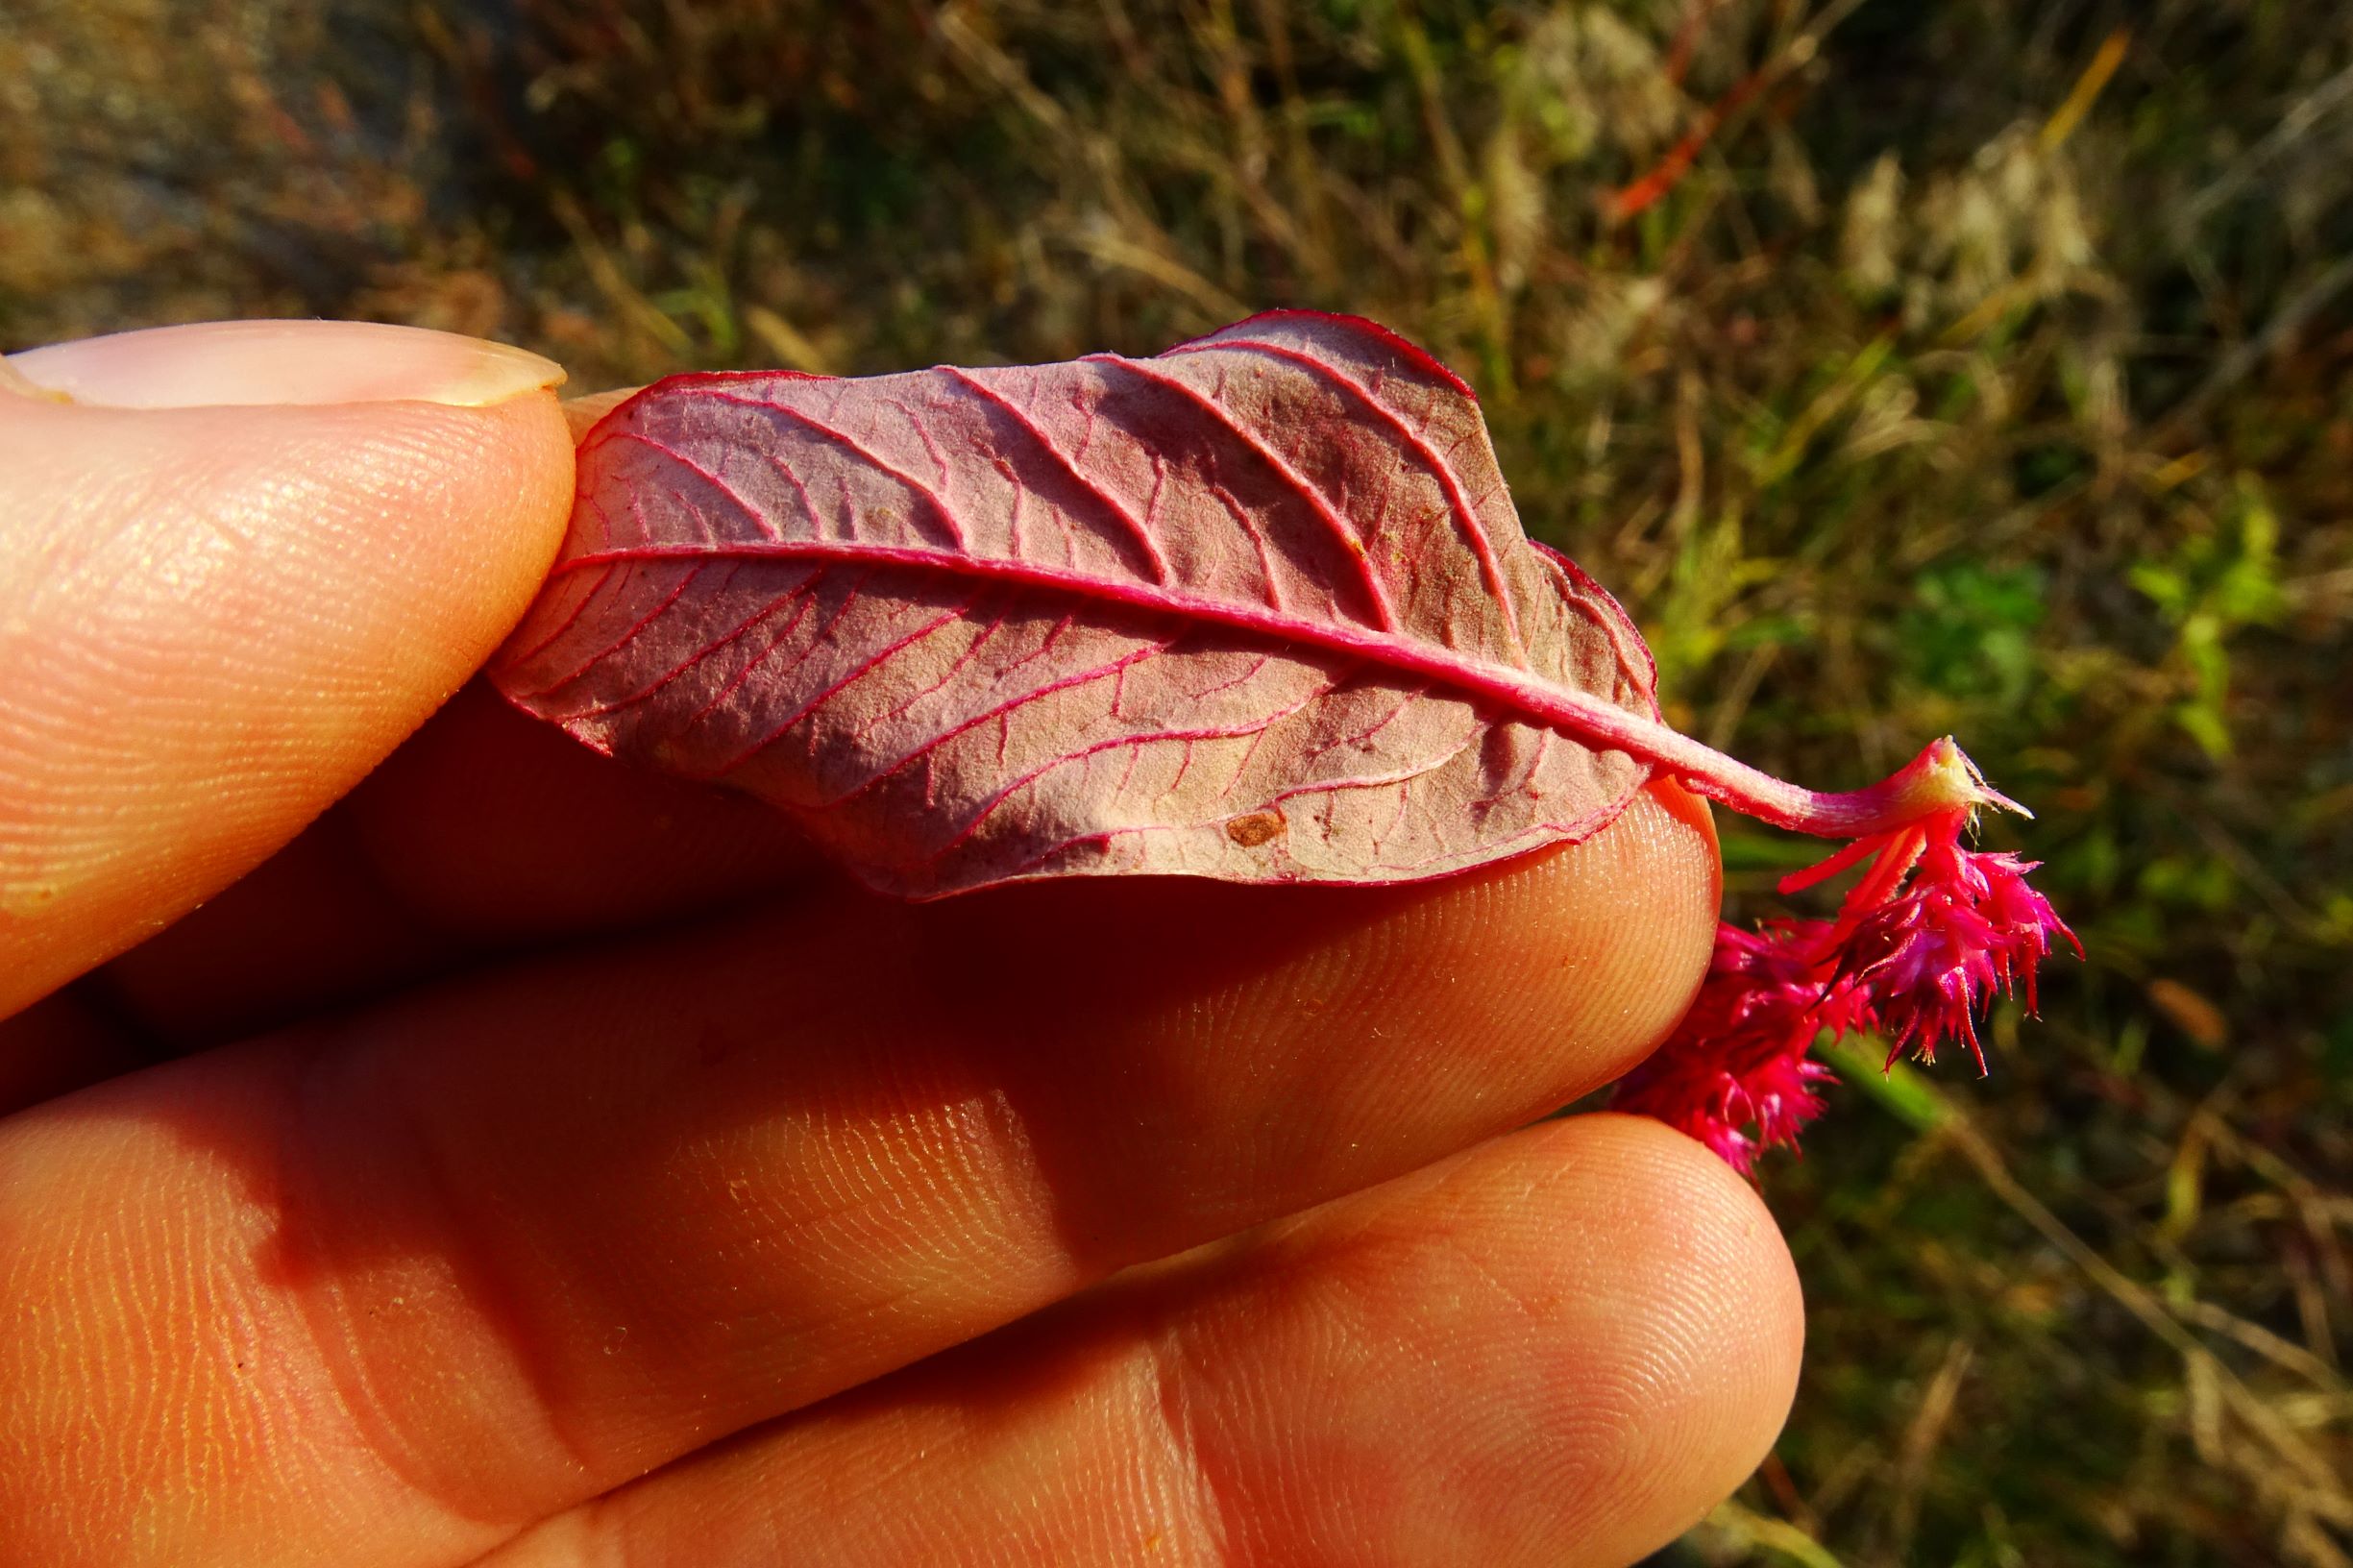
(1584, 718)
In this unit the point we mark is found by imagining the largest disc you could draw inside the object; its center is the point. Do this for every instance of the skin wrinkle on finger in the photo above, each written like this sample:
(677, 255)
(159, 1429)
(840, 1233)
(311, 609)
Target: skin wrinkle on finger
(502, 1387)
(191, 1396)
(216, 620)
(1560, 1348)
(712, 1176)
(1197, 1505)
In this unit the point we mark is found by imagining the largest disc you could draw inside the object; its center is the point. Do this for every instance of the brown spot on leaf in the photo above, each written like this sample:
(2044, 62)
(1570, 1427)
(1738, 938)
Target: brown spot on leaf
(1255, 829)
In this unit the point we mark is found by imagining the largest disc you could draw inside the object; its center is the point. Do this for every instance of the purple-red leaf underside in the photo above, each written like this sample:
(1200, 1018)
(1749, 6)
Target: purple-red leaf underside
(1257, 608)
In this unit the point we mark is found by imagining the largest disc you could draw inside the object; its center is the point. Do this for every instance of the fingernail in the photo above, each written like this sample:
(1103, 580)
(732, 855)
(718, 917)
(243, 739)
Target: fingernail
(13, 380)
(219, 363)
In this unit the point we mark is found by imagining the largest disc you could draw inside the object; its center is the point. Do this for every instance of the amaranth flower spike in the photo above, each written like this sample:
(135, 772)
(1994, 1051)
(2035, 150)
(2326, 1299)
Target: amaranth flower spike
(1930, 934)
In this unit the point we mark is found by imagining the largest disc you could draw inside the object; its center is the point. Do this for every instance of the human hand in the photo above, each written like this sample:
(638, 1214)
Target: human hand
(587, 1124)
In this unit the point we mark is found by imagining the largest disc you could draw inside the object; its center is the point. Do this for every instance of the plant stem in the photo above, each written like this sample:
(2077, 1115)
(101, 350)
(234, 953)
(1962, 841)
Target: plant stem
(1941, 779)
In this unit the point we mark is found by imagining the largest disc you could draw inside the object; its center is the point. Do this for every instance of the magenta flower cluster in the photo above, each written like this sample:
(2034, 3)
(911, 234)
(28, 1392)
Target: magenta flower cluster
(1928, 937)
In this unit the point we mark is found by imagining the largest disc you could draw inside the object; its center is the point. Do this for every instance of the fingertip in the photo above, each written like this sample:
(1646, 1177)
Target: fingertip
(1579, 960)
(1577, 1340)
(474, 502)
(1630, 919)
(222, 618)
(1678, 1348)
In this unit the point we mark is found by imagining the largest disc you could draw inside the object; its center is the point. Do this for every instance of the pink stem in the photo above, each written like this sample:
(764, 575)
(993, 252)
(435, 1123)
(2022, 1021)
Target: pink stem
(1941, 779)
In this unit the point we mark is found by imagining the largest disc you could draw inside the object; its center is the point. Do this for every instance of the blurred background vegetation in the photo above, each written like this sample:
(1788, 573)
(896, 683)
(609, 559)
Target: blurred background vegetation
(1909, 366)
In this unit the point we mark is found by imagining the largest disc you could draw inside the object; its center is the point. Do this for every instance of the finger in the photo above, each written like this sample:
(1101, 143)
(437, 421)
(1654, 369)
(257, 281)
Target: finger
(312, 928)
(485, 832)
(502, 828)
(495, 1251)
(1559, 1349)
(243, 560)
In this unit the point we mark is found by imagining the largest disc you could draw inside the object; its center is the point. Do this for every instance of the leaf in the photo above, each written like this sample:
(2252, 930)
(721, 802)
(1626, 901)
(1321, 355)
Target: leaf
(1258, 608)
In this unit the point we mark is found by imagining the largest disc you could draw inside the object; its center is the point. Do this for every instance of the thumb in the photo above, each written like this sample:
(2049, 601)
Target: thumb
(238, 563)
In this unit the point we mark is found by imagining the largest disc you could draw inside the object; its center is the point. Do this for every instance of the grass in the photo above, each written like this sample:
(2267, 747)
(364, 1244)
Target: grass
(1960, 365)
